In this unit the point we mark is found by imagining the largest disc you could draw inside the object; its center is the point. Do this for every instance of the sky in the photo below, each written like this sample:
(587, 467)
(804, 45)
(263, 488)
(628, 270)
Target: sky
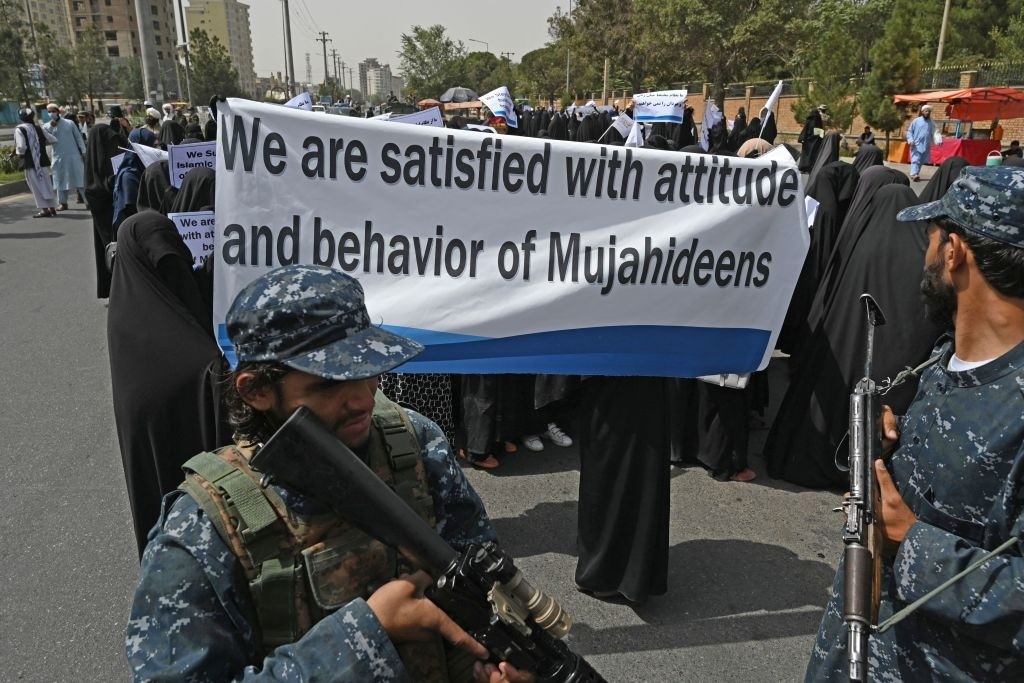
(373, 28)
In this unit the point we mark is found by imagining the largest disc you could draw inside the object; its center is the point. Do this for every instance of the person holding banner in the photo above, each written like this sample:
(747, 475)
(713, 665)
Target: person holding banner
(195, 615)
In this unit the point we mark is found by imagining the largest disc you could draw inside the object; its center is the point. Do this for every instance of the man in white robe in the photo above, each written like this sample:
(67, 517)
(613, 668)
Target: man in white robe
(68, 168)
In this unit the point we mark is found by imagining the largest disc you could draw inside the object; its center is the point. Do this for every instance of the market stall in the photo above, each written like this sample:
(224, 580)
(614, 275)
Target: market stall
(965, 107)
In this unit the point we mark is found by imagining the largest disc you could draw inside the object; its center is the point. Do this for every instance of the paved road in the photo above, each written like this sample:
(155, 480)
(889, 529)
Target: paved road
(750, 563)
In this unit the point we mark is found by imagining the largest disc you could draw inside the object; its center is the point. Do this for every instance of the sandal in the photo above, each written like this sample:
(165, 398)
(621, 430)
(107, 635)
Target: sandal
(62, 207)
(42, 214)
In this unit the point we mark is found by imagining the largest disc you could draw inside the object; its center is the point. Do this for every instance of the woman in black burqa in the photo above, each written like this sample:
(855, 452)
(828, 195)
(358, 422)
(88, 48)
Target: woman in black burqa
(948, 171)
(833, 189)
(155, 190)
(159, 334)
(105, 142)
(884, 258)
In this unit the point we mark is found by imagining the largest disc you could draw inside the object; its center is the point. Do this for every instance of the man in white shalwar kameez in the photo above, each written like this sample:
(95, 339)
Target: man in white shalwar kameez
(30, 144)
(68, 169)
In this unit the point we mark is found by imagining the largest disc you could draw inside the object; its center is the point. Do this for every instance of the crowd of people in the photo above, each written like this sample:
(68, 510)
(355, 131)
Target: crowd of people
(870, 233)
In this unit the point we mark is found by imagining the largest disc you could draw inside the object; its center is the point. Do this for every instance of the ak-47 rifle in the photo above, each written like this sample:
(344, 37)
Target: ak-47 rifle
(480, 589)
(862, 538)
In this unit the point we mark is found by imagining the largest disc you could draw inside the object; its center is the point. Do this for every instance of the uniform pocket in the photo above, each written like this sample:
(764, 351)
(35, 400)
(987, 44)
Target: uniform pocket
(344, 567)
(966, 529)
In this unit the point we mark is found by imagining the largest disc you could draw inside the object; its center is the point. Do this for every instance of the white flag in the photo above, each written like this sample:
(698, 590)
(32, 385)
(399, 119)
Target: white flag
(623, 124)
(636, 135)
(148, 155)
(301, 101)
(712, 115)
(770, 105)
(427, 117)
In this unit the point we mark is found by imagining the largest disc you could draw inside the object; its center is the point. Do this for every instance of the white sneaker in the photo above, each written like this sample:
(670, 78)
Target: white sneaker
(557, 436)
(533, 443)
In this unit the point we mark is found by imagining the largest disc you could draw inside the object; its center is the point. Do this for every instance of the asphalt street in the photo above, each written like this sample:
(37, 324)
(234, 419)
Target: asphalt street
(750, 564)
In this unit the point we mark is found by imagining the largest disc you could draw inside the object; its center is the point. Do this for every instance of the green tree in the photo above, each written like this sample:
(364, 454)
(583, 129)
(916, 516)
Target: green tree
(1009, 43)
(477, 67)
(91, 63)
(604, 29)
(895, 69)
(212, 72)
(968, 32)
(14, 66)
(128, 79)
(833, 67)
(543, 72)
(431, 61)
(722, 41)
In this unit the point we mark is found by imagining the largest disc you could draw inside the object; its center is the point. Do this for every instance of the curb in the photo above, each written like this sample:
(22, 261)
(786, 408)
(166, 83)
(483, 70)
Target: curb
(17, 187)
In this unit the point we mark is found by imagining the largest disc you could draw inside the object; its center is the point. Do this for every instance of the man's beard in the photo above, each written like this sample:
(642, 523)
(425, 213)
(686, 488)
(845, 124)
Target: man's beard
(939, 296)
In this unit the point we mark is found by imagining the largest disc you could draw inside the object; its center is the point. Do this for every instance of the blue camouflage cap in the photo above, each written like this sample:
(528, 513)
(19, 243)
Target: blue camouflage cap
(313, 319)
(985, 200)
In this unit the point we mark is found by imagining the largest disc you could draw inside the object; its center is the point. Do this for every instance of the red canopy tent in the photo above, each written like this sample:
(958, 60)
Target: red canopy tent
(974, 104)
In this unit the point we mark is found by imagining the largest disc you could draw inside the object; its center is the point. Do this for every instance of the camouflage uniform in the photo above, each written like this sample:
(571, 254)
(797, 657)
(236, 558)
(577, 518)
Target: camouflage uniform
(960, 469)
(192, 614)
(193, 617)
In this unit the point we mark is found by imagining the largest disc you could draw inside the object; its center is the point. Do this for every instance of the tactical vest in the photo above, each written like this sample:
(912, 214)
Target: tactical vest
(300, 568)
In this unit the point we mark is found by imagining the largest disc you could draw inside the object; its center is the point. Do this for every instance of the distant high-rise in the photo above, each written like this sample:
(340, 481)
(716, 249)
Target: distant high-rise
(228, 20)
(116, 20)
(364, 69)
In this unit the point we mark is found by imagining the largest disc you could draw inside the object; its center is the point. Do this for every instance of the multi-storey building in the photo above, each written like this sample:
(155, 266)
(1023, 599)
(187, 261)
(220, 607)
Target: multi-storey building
(228, 21)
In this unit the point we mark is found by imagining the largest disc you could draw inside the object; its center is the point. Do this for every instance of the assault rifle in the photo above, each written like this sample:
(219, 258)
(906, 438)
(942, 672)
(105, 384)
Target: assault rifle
(863, 539)
(480, 589)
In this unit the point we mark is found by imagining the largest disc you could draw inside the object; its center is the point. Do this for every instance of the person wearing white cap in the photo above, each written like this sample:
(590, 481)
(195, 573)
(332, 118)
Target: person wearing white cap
(919, 137)
(153, 121)
(68, 169)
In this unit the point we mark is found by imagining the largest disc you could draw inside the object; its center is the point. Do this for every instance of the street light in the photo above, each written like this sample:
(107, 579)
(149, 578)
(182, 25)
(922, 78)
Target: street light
(486, 45)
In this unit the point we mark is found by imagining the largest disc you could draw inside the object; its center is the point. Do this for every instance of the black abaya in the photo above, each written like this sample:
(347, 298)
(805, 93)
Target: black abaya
(828, 153)
(948, 171)
(887, 262)
(626, 443)
(155, 191)
(833, 188)
(103, 145)
(809, 141)
(163, 364)
(868, 156)
(197, 192)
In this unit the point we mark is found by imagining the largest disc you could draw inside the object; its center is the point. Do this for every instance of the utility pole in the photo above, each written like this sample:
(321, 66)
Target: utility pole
(324, 39)
(567, 54)
(151, 76)
(35, 45)
(942, 43)
(334, 60)
(604, 89)
(309, 71)
(508, 55)
(343, 87)
(184, 47)
(289, 62)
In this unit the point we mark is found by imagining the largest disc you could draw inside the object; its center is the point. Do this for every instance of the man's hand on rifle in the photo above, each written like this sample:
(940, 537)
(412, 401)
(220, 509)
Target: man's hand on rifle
(894, 516)
(888, 427)
(407, 616)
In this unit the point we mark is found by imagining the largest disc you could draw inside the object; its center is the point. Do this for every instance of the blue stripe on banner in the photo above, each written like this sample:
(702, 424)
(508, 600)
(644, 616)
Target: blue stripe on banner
(658, 119)
(661, 351)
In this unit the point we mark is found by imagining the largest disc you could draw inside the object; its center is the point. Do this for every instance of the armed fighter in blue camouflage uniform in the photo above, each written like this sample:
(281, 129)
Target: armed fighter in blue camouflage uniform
(245, 582)
(954, 488)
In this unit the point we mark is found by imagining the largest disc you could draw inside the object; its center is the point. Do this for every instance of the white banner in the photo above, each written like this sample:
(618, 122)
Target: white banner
(499, 101)
(427, 117)
(665, 105)
(197, 229)
(301, 101)
(183, 158)
(517, 254)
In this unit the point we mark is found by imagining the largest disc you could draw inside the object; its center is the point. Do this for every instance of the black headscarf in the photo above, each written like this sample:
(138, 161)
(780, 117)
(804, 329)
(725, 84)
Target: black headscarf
(809, 141)
(886, 263)
(948, 171)
(827, 153)
(196, 192)
(771, 130)
(163, 363)
(193, 133)
(868, 156)
(171, 133)
(155, 191)
(589, 129)
(739, 125)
